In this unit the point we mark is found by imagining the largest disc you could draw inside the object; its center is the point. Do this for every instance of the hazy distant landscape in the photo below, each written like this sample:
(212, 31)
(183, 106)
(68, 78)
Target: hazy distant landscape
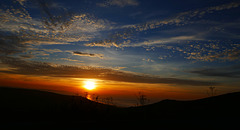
(25, 107)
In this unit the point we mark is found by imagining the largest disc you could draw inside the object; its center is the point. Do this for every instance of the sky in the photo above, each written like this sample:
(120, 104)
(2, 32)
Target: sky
(165, 49)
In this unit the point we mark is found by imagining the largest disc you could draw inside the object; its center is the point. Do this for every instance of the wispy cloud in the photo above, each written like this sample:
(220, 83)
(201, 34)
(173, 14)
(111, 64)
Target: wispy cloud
(184, 17)
(120, 3)
(46, 42)
(21, 2)
(68, 59)
(127, 39)
(158, 41)
(103, 43)
(21, 35)
(201, 50)
(88, 54)
(19, 66)
(57, 26)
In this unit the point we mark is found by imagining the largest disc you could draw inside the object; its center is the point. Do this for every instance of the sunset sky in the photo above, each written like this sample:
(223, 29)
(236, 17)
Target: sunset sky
(174, 49)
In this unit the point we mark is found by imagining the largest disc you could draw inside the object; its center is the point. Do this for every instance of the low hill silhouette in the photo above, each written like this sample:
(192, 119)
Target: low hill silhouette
(25, 104)
(34, 107)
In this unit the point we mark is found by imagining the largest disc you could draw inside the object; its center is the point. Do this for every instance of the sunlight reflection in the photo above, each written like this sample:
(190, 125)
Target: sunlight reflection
(89, 97)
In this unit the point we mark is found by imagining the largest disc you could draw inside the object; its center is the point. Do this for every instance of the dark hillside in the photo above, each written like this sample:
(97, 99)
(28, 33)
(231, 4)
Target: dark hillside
(23, 106)
(219, 111)
(32, 106)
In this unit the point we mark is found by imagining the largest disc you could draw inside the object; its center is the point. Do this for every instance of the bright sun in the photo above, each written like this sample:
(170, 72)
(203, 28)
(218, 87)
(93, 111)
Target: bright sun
(90, 85)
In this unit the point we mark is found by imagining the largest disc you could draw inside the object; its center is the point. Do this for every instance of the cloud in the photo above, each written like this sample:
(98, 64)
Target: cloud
(223, 7)
(233, 54)
(46, 42)
(184, 17)
(57, 25)
(103, 43)
(162, 57)
(53, 17)
(89, 24)
(148, 60)
(27, 56)
(88, 54)
(21, 2)
(213, 52)
(118, 39)
(200, 50)
(11, 44)
(120, 3)
(118, 68)
(19, 66)
(158, 41)
(68, 59)
(180, 19)
(60, 26)
(21, 35)
(230, 72)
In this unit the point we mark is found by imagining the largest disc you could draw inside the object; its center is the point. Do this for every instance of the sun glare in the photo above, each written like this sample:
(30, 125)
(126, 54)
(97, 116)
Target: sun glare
(89, 85)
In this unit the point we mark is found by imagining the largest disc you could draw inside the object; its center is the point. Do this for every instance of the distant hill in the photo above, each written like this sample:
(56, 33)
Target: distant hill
(227, 105)
(24, 106)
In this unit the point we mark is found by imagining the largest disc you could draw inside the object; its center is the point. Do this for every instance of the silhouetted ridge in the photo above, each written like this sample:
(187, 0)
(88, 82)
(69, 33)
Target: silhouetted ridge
(33, 106)
(26, 104)
(218, 108)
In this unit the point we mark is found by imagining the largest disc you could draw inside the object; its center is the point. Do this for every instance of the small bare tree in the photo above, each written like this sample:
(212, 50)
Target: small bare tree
(212, 91)
(96, 98)
(142, 99)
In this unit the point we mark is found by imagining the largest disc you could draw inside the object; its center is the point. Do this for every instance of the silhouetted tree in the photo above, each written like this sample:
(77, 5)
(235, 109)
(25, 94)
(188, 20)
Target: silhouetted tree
(95, 97)
(212, 91)
(142, 99)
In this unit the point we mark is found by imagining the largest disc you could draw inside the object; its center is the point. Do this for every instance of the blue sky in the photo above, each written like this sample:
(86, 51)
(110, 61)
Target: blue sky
(183, 40)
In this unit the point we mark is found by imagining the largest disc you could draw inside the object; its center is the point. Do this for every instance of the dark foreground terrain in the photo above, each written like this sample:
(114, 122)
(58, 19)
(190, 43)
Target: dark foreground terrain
(39, 109)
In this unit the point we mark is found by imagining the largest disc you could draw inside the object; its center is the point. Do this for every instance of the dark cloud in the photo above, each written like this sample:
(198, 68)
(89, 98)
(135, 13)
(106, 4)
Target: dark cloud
(88, 54)
(234, 54)
(18, 29)
(27, 56)
(120, 3)
(41, 68)
(54, 16)
(11, 44)
(231, 72)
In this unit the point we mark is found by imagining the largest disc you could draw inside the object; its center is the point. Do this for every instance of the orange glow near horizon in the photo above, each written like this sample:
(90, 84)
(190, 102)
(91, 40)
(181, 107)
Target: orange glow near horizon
(106, 88)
